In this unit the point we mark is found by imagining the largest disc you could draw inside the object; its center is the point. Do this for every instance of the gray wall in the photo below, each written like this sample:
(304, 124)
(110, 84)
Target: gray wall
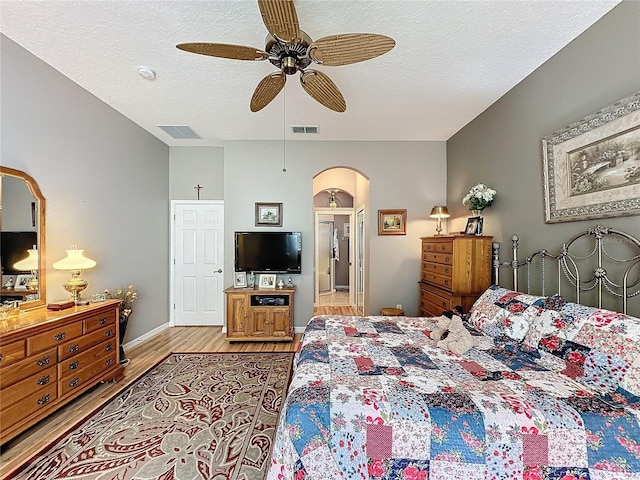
(407, 175)
(105, 179)
(502, 147)
(191, 166)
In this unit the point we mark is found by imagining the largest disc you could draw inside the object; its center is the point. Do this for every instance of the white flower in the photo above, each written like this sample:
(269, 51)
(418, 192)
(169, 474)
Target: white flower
(479, 197)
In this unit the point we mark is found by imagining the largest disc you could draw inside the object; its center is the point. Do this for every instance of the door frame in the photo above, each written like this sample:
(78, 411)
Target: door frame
(316, 222)
(172, 256)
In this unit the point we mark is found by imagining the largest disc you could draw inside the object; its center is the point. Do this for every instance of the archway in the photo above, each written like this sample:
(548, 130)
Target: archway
(341, 198)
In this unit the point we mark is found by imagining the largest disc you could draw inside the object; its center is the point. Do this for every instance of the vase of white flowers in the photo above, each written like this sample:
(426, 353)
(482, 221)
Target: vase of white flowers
(126, 296)
(479, 198)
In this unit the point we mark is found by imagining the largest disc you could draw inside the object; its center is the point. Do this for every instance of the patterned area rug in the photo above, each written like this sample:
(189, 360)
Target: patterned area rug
(192, 416)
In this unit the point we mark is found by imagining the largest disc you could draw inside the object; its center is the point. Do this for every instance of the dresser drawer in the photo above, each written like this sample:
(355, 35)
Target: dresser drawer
(96, 322)
(26, 387)
(434, 300)
(78, 362)
(79, 345)
(81, 377)
(29, 366)
(54, 337)
(443, 258)
(437, 247)
(438, 268)
(11, 353)
(439, 280)
(29, 405)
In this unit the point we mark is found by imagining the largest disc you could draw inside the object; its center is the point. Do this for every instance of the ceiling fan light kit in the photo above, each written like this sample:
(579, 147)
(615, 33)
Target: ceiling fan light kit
(292, 50)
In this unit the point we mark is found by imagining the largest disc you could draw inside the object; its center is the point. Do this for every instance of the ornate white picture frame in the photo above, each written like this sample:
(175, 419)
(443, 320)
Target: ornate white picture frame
(592, 167)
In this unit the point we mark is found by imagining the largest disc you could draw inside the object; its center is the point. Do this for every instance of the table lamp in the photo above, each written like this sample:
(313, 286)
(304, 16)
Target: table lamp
(30, 263)
(439, 212)
(75, 261)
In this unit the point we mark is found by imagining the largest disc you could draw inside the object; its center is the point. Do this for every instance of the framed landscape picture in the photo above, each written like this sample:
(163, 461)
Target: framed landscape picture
(392, 222)
(592, 167)
(268, 214)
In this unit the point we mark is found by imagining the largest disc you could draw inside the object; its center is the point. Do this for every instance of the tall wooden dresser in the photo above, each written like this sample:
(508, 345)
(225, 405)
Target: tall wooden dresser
(49, 358)
(455, 270)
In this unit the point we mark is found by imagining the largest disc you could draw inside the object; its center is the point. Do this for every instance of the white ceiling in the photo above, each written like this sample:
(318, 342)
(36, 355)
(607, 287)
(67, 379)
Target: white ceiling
(451, 61)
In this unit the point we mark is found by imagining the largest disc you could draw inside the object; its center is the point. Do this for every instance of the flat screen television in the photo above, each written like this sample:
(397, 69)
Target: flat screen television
(277, 252)
(13, 248)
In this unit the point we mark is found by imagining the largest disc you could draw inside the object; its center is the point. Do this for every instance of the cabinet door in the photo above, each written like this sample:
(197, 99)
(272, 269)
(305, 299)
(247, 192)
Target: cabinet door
(280, 323)
(237, 325)
(261, 321)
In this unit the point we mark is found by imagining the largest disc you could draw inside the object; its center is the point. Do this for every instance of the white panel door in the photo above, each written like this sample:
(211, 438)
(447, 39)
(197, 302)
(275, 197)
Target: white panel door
(198, 258)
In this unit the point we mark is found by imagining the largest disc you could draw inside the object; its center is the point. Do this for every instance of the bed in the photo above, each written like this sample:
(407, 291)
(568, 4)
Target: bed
(550, 391)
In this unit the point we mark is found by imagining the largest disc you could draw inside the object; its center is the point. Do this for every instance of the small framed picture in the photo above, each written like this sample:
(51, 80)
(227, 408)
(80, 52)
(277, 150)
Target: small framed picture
(474, 226)
(268, 214)
(240, 280)
(267, 280)
(22, 281)
(392, 222)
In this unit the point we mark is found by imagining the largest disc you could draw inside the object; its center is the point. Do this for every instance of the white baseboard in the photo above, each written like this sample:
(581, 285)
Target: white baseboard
(146, 336)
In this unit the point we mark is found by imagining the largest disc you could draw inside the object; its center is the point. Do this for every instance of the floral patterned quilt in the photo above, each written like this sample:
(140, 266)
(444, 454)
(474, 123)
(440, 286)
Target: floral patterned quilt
(374, 398)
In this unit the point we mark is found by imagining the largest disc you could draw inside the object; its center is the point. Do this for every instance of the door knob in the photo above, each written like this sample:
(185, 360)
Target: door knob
(218, 271)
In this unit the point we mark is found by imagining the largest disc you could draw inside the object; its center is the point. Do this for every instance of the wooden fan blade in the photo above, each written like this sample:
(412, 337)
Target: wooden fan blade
(322, 89)
(349, 48)
(267, 90)
(224, 50)
(280, 18)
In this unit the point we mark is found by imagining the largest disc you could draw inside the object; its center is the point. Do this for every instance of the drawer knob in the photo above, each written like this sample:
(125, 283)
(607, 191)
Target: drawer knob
(74, 348)
(74, 365)
(108, 361)
(102, 321)
(74, 382)
(43, 361)
(59, 336)
(44, 399)
(444, 304)
(44, 380)
(108, 348)
(108, 333)
(446, 282)
(1, 357)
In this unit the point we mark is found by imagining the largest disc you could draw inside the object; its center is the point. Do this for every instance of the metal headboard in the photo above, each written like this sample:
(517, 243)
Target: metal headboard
(599, 260)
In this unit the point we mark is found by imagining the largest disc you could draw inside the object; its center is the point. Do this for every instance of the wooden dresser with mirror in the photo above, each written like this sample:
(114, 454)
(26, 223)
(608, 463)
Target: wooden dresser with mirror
(47, 358)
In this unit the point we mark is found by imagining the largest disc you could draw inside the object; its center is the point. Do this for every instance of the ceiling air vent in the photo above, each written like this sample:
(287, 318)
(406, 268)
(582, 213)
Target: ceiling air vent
(179, 132)
(304, 129)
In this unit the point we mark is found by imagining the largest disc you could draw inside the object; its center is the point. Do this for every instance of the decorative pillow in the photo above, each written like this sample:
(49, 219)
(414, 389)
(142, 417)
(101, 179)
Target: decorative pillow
(500, 311)
(601, 349)
(549, 321)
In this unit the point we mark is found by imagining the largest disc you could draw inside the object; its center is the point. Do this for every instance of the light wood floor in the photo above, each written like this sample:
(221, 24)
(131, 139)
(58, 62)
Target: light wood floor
(143, 357)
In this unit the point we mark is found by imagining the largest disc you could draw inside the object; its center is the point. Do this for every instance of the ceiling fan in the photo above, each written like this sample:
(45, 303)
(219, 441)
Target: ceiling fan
(292, 51)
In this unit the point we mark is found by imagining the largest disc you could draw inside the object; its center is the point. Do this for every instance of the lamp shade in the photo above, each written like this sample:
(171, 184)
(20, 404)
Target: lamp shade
(75, 260)
(439, 211)
(29, 263)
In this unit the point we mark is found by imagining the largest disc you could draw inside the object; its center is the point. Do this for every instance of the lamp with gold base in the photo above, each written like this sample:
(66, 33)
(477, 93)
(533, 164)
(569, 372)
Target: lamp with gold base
(75, 261)
(439, 212)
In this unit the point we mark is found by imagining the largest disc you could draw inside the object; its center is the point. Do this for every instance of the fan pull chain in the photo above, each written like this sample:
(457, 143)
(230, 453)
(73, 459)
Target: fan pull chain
(284, 130)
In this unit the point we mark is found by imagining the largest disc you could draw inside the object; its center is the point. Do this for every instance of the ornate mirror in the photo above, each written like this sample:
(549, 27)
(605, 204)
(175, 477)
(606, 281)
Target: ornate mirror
(22, 225)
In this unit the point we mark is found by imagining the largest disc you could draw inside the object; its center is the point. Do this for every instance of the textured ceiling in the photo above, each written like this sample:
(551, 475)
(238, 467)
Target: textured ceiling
(452, 60)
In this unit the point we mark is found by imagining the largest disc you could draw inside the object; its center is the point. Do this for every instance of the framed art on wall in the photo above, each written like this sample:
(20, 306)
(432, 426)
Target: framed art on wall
(268, 214)
(21, 281)
(592, 167)
(392, 222)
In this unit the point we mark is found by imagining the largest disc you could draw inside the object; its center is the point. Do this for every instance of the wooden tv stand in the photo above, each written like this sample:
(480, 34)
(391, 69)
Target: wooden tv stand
(48, 358)
(258, 315)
